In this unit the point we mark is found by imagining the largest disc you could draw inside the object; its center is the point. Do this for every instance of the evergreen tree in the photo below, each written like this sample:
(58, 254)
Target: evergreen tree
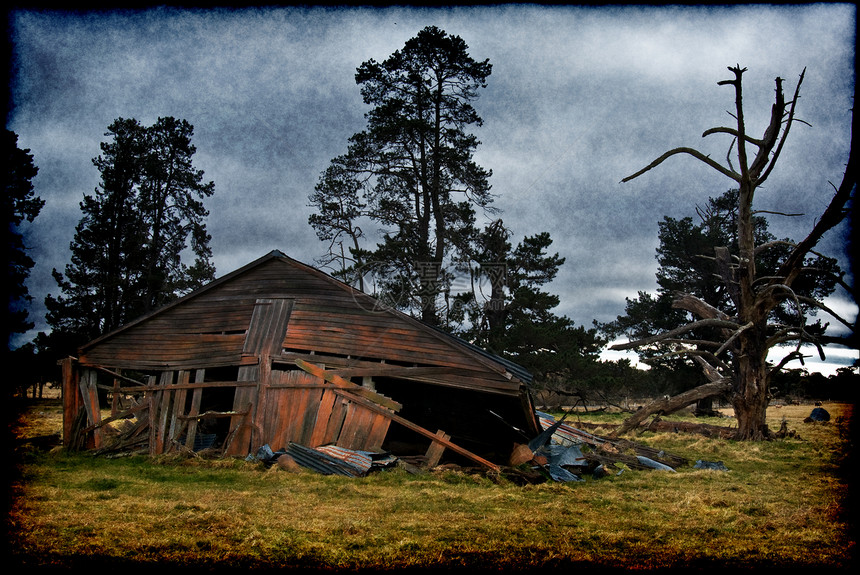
(509, 313)
(19, 204)
(126, 253)
(173, 214)
(410, 172)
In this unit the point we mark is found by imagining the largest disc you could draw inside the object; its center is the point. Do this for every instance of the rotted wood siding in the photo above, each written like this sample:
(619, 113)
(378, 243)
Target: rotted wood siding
(298, 408)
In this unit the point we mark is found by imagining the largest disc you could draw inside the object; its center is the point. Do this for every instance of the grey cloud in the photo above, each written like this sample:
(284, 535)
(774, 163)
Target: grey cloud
(579, 98)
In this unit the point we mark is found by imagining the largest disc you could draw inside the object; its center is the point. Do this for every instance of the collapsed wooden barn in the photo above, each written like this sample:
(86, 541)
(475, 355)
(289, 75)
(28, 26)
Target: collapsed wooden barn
(278, 352)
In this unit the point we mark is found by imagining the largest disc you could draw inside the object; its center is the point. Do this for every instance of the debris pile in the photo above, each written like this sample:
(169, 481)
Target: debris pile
(560, 453)
(565, 453)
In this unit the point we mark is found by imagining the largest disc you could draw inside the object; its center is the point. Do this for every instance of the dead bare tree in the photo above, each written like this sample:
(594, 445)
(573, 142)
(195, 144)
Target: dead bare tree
(738, 367)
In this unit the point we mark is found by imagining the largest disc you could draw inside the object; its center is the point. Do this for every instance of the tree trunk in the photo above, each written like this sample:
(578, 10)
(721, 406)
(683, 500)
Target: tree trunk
(705, 406)
(751, 397)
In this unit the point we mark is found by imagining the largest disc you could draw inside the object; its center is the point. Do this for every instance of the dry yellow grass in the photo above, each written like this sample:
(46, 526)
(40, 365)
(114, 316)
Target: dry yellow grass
(782, 504)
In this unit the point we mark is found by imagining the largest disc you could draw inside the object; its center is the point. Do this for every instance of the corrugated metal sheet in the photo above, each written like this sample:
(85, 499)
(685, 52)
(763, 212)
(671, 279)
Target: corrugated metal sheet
(328, 459)
(358, 459)
(321, 462)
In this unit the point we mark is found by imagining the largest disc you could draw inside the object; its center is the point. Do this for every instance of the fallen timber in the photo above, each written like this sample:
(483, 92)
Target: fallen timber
(659, 424)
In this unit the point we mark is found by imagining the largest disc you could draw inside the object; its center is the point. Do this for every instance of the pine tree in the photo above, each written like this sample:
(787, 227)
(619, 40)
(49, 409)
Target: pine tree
(127, 248)
(411, 172)
(509, 312)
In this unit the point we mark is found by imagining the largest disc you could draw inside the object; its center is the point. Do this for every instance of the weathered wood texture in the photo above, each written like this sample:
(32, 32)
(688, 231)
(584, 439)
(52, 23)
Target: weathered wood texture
(263, 320)
(211, 328)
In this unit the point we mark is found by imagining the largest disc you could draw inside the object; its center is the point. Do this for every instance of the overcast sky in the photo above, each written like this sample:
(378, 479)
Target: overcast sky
(578, 99)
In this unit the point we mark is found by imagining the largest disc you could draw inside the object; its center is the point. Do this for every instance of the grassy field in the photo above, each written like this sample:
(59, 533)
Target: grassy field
(782, 504)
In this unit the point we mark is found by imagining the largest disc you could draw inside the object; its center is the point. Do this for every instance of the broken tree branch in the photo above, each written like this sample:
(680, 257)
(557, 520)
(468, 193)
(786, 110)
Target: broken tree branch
(815, 303)
(696, 154)
(788, 123)
(731, 131)
(832, 216)
(669, 405)
(695, 305)
(677, 331)
(733, 337)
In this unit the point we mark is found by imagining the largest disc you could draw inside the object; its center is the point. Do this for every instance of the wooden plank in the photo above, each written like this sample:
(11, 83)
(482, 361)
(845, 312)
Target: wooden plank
(286, 411)
(298, 412)
(434, 452)
(154, 399)
(71, 397)
(153, 362)
(191, 385)
(346, 437)
(176, 426)
(274, 425)
(114, 403)
(191, 434)
(363, 422)
(309, 418)
(323, 414)
(87, 385)
(342, 383)
(163, 411)
(241, 432)
(231, 447)
(335, 420)
(284, 407)
(388, 370)
(378, 431)
(268, 325)
(258, 436)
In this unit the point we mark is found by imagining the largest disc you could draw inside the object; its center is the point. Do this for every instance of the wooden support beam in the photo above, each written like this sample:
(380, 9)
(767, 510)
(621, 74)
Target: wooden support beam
(71, 398)
(87, 385)
(114, 404)
(434, 452)
(342, 383)
(199, 376)
(240, 418)
(177, 426)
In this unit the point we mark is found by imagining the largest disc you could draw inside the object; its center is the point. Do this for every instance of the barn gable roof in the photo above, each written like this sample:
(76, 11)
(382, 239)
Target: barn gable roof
(327, 316)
